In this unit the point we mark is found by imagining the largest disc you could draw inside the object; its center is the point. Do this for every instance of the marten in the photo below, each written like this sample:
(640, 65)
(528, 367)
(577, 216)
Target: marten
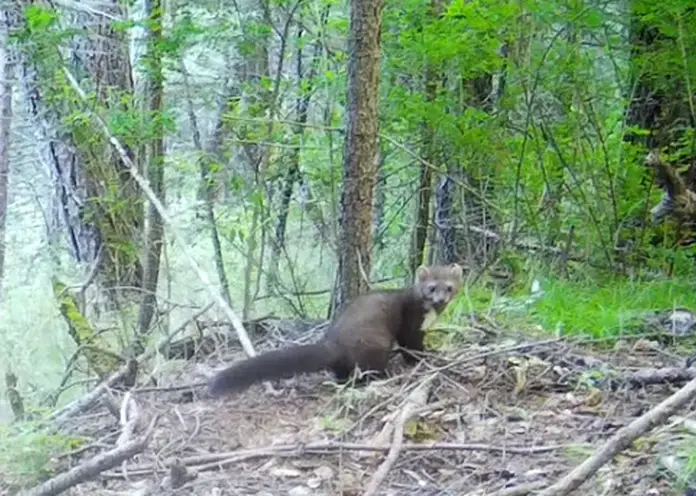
(362, 335)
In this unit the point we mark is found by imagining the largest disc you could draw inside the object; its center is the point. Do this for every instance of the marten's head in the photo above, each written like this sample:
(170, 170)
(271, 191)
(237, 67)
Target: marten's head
(438, 284)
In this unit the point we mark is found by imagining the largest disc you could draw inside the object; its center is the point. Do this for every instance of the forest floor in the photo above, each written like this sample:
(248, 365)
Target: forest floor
(493, 415)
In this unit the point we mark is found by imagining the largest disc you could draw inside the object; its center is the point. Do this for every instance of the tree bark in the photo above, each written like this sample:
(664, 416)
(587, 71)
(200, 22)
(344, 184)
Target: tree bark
(380, 201)
(360, 147)
(84, 169)
(420, 231)
(207, 184)
(155, 166)
(292, 176)
(6, 74)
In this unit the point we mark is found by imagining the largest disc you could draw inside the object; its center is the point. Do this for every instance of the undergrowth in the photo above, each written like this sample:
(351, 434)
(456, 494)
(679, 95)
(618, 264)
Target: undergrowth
(29, 453)
(596, 303)
(593, 304)
(608, 308)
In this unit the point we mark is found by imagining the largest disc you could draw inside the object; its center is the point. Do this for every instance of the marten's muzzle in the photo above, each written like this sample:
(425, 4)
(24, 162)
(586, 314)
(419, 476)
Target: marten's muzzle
(438, 303)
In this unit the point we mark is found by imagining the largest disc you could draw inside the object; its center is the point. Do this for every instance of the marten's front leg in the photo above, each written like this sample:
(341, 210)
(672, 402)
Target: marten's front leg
(411, 340)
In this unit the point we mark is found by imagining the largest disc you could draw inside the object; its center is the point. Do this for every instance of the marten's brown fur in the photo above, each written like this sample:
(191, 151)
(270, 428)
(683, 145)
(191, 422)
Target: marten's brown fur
(362, 335)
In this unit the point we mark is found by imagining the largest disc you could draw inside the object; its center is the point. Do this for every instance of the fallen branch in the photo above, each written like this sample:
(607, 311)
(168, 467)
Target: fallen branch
(219, 460)
(521, 490)
(621, 440)
(86, 401)
(129, 417)
(659, 376)
(414, 402)
(90, 469)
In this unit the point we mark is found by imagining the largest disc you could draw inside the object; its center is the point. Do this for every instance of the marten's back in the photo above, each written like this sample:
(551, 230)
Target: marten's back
(362, 334)
(371, 321)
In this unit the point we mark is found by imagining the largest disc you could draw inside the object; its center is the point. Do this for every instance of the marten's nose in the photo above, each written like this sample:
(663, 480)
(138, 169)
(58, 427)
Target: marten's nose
(438, 300)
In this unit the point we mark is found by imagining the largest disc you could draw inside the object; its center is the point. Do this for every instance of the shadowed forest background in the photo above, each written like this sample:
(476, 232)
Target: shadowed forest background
(546, 146)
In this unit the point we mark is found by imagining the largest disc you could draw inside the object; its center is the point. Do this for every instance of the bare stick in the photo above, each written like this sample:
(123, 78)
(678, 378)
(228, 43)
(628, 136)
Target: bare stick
(90, 398)
(128, 419)
(83, 403)
(414, 402)
(520, 490)
(145, 186)
(219, 460)
(621, 440)
(93, 467)
(662, 375)
(178, 476)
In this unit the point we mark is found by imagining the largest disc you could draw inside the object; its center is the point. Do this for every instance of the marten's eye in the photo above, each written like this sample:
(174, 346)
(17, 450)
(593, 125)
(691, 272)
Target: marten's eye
(431, 288)
(449, 288)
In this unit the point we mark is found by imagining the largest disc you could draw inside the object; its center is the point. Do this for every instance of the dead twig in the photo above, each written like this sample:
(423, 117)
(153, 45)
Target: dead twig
(521, 490)
(178, 476)
(86, 401)
(621, 440)
(414, 402)
(218, 460)
(166, 219)
(90, 469)
(81, 404)
(170, 389)
(643, 377)
(129, 417)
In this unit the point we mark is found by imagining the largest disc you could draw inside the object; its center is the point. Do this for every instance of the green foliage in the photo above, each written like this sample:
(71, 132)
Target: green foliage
(607, 306)
(28, 452)
(556, 148)
(552, 144)
(686, 478)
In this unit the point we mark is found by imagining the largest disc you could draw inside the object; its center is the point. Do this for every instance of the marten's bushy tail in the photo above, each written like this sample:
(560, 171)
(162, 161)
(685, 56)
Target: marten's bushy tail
(276, 364)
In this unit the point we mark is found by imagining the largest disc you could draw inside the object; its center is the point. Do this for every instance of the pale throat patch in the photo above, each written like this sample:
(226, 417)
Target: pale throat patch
(429, 320)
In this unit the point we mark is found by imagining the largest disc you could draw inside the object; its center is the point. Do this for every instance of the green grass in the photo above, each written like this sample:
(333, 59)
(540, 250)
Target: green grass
(608, 308)
(28, 454)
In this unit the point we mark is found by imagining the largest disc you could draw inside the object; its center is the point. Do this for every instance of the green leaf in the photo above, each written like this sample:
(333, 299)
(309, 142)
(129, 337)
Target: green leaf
(594, 19)
(39, 18)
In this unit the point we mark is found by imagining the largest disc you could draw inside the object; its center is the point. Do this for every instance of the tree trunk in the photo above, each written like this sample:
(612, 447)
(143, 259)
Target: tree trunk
(207, 185)
(457, 207)
(649, 101)
(292, 176)
(6, 74)
(378, 233)
(360, 147)
(95, 200)
(662, 102)
(420, 232)
(100, 57)
(444, 249)
(154, 235)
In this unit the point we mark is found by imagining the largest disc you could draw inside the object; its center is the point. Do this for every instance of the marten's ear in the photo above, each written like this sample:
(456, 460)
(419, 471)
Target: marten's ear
(456, 271)
(422, 273)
